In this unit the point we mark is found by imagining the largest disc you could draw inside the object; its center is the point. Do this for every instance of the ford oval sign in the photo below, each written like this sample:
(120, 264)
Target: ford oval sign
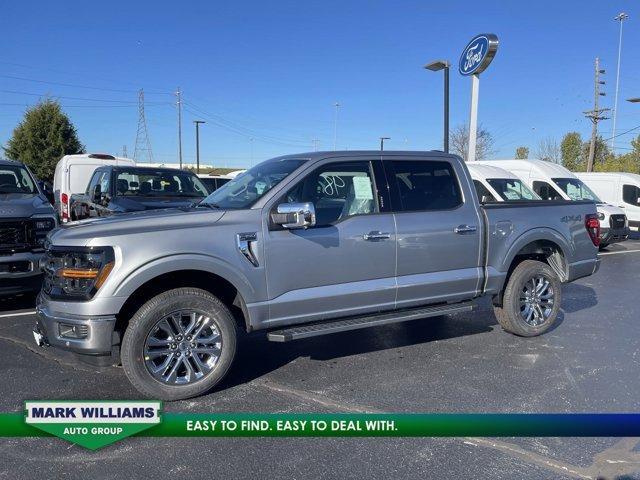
(478, 54)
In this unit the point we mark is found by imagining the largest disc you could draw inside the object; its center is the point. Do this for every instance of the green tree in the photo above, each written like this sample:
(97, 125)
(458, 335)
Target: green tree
(522, 153)
(43, 136)
(571, 152)
(602, 153)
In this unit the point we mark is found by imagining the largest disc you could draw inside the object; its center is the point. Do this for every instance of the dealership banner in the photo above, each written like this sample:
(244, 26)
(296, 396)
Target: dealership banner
(94, 424)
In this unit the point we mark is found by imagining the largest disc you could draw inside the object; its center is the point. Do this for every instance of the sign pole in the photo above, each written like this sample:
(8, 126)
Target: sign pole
(473, 118)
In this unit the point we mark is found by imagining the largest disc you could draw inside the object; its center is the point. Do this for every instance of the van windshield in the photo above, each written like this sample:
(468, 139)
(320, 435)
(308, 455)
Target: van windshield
(576, 189)
(16, 179)
(248, 187)
(512, 189)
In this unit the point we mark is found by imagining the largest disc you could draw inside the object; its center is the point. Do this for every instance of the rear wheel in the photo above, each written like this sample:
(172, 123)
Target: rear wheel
(531, 299)
(179, 344)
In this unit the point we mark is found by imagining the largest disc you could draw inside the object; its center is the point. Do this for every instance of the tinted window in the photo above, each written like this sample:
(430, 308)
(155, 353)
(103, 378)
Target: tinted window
(546, 191)
(337, 191)
(576, 189)
(483, 192)
(158, 183)
(512, 189)
(631, 195)
(425, 185)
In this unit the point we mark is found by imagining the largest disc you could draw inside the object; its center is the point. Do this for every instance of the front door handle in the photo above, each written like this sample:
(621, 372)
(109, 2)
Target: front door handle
(373, 236)
(465, 229)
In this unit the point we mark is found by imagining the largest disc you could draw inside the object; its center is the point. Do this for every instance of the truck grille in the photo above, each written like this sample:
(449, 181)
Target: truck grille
(15, 235)
(617, 221)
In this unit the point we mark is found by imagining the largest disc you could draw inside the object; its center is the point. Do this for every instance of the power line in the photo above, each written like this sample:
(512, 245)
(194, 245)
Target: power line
(73, 85)
(15, 92)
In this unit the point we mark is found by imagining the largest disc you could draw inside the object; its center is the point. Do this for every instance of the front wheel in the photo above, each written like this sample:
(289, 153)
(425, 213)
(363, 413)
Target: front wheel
(531, 300)
(179, 344)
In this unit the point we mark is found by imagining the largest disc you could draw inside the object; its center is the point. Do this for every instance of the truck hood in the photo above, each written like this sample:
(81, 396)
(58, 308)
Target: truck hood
(83, 231)
(23, 205)
(609, 209)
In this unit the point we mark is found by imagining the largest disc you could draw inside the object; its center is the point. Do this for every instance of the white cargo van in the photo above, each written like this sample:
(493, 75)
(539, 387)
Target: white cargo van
(495, 184)
(619, 188)
(554, 182)
(72, 176)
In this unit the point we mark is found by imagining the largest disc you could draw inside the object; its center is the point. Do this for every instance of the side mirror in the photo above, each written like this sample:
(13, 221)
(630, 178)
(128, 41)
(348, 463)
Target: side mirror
(97, 193)
(295, 215)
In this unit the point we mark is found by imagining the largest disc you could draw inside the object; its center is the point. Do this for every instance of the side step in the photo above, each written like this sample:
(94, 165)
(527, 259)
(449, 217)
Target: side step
(365, 321)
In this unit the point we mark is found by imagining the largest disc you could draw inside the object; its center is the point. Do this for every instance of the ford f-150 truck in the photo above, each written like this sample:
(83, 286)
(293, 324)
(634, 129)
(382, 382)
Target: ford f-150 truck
(299, 246)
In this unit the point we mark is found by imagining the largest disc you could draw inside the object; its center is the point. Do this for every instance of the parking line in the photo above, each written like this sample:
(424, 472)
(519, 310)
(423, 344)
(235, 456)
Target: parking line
(615, 253)
(18, 314)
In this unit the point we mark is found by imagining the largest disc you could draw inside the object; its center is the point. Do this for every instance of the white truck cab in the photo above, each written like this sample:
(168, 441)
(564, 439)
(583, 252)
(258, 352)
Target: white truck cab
(72, 176)
(495, 184)
(554, 182)
(618, 188)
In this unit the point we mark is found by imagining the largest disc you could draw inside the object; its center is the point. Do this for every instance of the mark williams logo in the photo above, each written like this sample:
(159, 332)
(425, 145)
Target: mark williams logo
(92, 424)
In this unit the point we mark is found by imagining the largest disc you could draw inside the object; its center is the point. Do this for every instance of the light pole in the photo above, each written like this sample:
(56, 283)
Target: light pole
(197, 123)
(335, 126)
(382, 139)
(621, 17)
(434, 67)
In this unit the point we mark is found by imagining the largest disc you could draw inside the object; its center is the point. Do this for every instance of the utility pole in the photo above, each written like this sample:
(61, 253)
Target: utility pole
(335, 126)
(124, 151)
(595, 115)
(621, 17)
(179, 106)
(315, 142)
(197, 123)
(251, 161)
(382, 139)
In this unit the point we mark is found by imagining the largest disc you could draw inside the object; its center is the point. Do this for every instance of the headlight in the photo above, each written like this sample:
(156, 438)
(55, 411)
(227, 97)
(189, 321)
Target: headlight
(41, 227)
(76, 272)
(600, 216)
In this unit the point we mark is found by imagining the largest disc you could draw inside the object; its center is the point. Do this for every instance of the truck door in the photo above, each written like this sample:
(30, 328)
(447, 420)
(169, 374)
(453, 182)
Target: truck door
(439, 231)
(345, 264)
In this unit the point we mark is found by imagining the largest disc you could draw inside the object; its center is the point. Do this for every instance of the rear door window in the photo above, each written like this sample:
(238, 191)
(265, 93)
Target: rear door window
(546, 191)
(423, 185)
(483, 192)
(631, 195)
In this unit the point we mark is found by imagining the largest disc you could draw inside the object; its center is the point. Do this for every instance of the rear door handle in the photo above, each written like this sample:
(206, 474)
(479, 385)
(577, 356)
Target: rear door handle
(465, 229)
(373, 236)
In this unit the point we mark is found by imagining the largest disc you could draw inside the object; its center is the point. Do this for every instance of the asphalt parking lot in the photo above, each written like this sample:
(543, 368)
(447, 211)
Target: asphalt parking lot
(462, 363)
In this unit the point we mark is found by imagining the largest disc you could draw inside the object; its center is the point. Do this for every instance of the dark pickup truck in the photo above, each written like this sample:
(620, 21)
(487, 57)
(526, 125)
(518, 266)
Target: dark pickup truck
(114, 189)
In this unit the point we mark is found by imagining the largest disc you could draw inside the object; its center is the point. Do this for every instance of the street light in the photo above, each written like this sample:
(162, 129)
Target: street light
(382, 139)
(634, 100)
(197, 123)
(621, 17)
(435, 67)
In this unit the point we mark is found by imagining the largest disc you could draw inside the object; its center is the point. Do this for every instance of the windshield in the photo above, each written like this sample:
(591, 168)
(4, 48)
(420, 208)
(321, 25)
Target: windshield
(575, 189)
(16, 179)
(512, 189)
(248, 187)
(158, 183)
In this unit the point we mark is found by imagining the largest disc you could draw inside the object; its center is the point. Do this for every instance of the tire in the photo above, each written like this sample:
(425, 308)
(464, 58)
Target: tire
(602, 246)
(148, 336)
(511, 315)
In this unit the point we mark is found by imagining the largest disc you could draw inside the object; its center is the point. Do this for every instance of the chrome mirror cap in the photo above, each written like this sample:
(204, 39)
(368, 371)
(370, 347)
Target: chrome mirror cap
(295, 215)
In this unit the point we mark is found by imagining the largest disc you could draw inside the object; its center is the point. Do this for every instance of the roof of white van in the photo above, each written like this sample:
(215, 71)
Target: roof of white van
(634, 177)
(549, 169)
(87, 156)
(483, 170)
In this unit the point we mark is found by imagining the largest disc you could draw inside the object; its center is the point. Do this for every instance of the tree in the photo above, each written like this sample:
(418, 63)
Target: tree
(548, 150)
(571, 152)
(460, 142)
(44, 135)
(522, 153)
(602, 152)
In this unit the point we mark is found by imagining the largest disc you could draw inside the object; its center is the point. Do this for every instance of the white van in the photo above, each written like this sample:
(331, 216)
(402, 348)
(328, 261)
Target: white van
(554, 182)
(495, 184)
(619, 188)
(72, 176)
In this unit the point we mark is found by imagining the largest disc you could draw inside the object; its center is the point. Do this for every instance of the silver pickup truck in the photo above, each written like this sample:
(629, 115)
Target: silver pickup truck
(299, 246)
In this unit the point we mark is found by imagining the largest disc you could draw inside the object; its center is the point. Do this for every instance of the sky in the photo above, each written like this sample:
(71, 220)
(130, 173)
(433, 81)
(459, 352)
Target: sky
(265, 75)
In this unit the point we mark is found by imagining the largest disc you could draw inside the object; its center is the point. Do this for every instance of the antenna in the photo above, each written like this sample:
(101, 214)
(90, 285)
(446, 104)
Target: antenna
(142, 150)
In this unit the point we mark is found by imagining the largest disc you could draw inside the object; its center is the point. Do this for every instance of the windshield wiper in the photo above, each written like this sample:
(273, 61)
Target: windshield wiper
(212, 206)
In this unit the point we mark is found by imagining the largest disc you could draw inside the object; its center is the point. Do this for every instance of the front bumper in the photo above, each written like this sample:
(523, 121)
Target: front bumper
(96, 333)
(613, 235)
(20, 273)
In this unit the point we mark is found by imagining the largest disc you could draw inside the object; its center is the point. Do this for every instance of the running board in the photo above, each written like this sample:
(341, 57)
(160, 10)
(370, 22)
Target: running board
(365, 321)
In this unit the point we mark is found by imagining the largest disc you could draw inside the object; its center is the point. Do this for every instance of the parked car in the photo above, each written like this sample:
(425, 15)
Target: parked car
(213, 182)
(553, 182)
(133, 189)
(300, 246)
(26, 216)
(72, 175)
(495, 184)
(621, 189)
